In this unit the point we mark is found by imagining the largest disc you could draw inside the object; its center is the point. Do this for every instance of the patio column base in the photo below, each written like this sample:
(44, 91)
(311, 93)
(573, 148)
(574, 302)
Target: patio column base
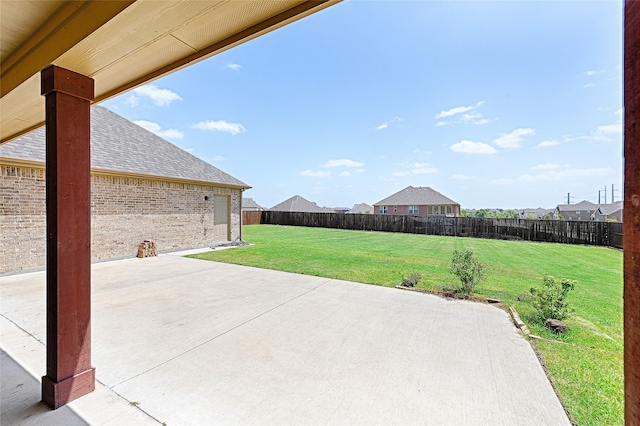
(57, 394)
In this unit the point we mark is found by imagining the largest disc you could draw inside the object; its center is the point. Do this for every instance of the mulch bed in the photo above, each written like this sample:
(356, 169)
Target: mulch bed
(451, 294)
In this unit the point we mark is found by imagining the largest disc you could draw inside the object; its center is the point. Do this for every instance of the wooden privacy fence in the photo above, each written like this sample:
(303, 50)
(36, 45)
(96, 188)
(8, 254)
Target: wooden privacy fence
(553, 231)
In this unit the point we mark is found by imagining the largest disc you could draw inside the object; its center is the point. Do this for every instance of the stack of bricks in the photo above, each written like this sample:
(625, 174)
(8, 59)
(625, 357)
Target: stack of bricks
(147, 249)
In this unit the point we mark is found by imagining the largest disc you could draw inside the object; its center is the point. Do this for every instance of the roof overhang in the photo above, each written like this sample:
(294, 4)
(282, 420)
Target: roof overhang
(120, 44)
(97, 171)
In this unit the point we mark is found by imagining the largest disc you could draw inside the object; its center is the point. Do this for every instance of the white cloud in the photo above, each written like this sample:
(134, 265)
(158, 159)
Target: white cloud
(473, 117)
(457, 110)
(610, 128)
(345, 173)
(547, 166)
(217, 158)
(589, 85)
(234, 67)
(315, 174)
(220, 126)
(545, 144)
(513, 139)
(460, 176)
(419, 151)
(565, 174)
(470, 115)
(342, 163)
(157, 129)
(160, 97)
(605, 133)
(414, 169)
(470, 147)
(593, 72)
(132, 100)
(386, 123)
(412, 172)
(359, 171)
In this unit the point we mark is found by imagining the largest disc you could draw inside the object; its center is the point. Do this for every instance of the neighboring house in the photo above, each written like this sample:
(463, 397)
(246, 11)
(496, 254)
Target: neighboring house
(584, 211)
(142, 188)
(340, 209)
(418, 201)
(248, 205)
(538, 213)
(299, 204)
(361, 208)
(612, 211)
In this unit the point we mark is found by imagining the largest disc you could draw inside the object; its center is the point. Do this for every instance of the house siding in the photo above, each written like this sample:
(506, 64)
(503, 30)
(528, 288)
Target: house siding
(423, 210)
(124, 212)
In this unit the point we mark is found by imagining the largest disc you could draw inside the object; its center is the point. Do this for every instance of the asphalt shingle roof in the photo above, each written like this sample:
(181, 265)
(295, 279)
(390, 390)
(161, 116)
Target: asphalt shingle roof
(608, 209)
(299, 204)
(361, 208)
(582, 205)
(415, 196)
(120, 145)
(249, 203)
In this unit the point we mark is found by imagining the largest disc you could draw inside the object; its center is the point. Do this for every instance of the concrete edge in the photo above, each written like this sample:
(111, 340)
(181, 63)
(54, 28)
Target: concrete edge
(30, 354)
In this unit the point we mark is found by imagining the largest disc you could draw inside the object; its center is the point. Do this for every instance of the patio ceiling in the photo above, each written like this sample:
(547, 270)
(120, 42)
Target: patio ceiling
(120, 44)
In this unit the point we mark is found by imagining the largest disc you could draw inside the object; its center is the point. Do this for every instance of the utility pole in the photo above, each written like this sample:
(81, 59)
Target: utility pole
(568, 198)
(598, 197)
(605, 194)
(612, 193)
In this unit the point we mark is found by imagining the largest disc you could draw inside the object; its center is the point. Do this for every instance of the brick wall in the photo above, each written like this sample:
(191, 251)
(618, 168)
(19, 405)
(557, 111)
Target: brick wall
(124, 212)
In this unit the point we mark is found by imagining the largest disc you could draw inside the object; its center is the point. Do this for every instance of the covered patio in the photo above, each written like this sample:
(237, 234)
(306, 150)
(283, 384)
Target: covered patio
(187, 341)
(80, 52)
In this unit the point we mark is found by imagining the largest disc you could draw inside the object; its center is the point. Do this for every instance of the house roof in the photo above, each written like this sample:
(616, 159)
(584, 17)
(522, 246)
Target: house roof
(250, 204)
(582, 205)
(419, 196)
(539, 212)
(299, 204)
(607, 209)
(361, 208)
(120, 145)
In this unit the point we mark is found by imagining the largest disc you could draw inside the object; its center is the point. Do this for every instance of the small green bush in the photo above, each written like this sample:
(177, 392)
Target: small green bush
(551, 302)
(468, 269)
(412, 280)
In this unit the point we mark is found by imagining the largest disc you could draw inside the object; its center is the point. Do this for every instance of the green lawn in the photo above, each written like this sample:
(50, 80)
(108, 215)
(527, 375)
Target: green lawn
(585, 365)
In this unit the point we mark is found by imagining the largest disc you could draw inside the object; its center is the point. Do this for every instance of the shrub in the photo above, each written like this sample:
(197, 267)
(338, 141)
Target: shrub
(550, 302)
(468, 269)
(412, 280)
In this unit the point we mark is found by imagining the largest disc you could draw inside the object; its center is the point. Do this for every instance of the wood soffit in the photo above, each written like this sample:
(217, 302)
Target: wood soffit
(120, 44)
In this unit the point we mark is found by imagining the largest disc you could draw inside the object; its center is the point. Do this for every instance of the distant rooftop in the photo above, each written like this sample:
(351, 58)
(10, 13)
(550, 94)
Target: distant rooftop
(420, 195)
(300, 204)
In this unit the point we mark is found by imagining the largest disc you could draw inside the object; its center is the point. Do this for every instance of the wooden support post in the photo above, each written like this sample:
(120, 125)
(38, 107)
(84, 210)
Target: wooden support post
(631, 220)
(69, 371)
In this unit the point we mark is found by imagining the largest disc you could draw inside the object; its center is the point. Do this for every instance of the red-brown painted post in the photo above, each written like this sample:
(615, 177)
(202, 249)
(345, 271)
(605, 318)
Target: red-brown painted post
(631, 221)
(69, 371)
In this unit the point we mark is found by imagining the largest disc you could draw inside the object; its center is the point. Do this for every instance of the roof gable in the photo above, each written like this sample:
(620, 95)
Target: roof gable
(608, 209)
(418, 196)
(250, 203)
(299, 204)
(118, 144)
(582, 205)
(361, 208)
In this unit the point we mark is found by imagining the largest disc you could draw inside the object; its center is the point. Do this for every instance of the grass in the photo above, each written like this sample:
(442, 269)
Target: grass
(585, 365)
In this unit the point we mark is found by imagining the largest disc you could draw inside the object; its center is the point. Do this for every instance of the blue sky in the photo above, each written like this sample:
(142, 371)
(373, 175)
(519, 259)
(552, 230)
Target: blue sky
(504, 104)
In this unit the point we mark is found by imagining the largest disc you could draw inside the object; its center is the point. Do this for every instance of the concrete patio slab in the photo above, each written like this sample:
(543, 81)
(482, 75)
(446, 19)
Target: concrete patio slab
(186, 341)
